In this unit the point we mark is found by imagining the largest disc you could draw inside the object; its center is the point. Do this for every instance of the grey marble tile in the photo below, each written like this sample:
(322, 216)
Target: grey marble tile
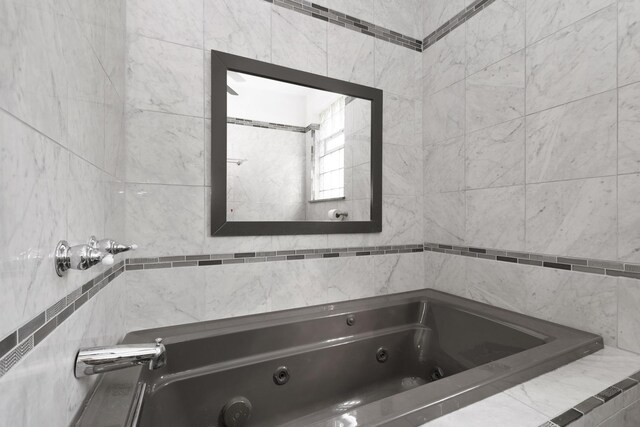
(32, 69)
(627, 417)
(402, 120)
(353, 277)
(177, 210)
(164, 148)
(575, 217)
(500, 284)
(545, 18)
(443, 114)
(114, 133)
(496, 94)
(437, 12)
(361, 9)
(115, 49)
(628, 218)
(586, 50)
(86, 130)
(495, 33)
(446, 273)
(495, 217)
(402, 16)
(164, 77)
(350, 56)
(298, 41)
(628, 42)
(628, 322)
(86, 196)
(583, 301)
(397, 69)
(299, 284)
(495, 156)
(444, 63)
(629, 129)
(399, 272)
(164, 297)
(444, 217)
(401, 171)
(240, 27)
(443, 166)
(179, 23)
(575, 140)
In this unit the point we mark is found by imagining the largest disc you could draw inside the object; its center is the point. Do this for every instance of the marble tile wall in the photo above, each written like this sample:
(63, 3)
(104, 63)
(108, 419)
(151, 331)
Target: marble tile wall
(530, 142)
(168, 193)
(61, 177)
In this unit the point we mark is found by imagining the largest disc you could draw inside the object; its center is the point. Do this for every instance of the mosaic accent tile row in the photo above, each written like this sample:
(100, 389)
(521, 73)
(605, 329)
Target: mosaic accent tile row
(269, 125)
(20, 342)
(582, 265)
(343, 20)
(455, 22)
(583, 408)
(151, 263)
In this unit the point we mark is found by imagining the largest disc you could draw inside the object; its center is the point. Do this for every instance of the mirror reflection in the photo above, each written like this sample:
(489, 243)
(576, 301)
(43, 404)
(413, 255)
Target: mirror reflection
(295, 153)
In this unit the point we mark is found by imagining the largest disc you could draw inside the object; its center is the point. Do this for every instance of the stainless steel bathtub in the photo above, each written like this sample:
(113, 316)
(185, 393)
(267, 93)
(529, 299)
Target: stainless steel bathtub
(398, 360)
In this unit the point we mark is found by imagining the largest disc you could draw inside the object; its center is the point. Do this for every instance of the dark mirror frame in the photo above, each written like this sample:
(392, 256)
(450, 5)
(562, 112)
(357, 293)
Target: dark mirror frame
(221, 63)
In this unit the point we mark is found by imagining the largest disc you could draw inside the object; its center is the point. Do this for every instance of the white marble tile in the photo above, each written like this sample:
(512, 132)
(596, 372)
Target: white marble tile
(352, 278)
(237, 290)
(443, 114)
(165, 220)
(398, 272)
(628, 321)
(86, 130)
(499, 409)
(575, 62)
(164, 148)
(446, 273)
(629, 218)
(495, 217)
(444, 217)
(437, 12)
(501, 284)
(546, 17)
(629, 129)
(164, 77)
(240, 27)
(401, 120)
(401, 170)
(166, 20)
(555, 391)
(164, 297)
(298, 284)
(495, 156)
(33, 80)
(86, 196)
(496, 94)
(114, 133)
(628, 417)
(444, 63)
(402, 16)
(575, 218)
(350, 56)
(115, 50)
(495, 33)
(576, 140)
(628, 42)
(298, 41)
(397, 69)
(444, 166)
(579, 300)
(33, 174)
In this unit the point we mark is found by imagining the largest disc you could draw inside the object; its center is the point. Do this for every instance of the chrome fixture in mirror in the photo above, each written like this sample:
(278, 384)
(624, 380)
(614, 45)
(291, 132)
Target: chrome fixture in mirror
(293, 152)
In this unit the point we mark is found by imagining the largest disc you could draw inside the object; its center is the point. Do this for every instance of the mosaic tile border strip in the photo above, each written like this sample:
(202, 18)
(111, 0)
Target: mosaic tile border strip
(349, 22)
(582, 265)
(455, 22)
(614, 391)
(269, 125)
(20, 342)
(151, 263)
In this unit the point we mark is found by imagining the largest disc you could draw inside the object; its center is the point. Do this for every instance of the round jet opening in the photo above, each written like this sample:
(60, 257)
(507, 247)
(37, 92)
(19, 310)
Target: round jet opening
(382, 355)
(236, 412)
(281, 375)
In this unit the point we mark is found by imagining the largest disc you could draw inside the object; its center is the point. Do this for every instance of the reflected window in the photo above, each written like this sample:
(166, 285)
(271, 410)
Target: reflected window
(328, 153)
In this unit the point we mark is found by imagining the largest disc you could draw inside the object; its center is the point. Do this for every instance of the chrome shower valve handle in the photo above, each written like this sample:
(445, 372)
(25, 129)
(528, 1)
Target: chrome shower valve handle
(110, 246)
(79, 257)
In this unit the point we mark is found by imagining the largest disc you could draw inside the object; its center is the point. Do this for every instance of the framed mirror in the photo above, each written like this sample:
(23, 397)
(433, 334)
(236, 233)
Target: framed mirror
(292, 152)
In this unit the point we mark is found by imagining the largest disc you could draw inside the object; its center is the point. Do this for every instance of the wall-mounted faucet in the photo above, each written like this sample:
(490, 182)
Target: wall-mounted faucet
(83, 257)
(96, 360)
